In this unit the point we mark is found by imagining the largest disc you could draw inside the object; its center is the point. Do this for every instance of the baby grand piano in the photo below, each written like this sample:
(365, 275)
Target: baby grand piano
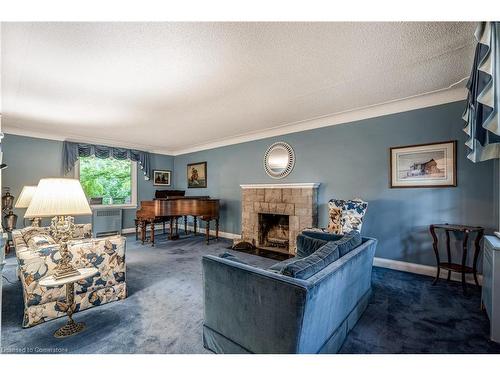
(170, 205)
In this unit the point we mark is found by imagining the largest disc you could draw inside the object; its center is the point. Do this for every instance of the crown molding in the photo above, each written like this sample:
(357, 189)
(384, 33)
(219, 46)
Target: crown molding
(431, 99)
(306, 185)
(420, 269)
(396, 106)
(14, 130)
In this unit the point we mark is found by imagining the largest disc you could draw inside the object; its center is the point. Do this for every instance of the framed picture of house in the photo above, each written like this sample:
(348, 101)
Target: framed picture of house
(161, 178)
(197, 175)
(425, 165)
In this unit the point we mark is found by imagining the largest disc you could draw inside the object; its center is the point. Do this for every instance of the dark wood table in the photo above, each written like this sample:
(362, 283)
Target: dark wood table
(466, 231)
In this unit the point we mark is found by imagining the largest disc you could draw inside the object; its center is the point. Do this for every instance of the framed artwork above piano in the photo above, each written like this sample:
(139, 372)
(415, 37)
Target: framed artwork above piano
(197, 175)
(161, 177)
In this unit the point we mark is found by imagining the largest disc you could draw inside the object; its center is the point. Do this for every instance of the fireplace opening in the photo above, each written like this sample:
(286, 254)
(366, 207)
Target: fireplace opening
(274, 232)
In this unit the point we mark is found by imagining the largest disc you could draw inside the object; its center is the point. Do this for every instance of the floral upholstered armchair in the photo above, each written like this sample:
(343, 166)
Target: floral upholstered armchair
(344, 216)
(38, 255)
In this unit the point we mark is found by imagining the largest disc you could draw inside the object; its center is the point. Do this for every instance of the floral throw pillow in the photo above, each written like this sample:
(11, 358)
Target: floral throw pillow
(39, 241)
(29, 232)
(346, 215)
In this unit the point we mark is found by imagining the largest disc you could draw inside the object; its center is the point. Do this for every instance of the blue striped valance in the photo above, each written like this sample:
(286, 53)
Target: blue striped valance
(483, 102)
(72, 151)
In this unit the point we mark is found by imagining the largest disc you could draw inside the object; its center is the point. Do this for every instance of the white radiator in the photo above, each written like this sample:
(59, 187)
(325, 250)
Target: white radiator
(106, 221)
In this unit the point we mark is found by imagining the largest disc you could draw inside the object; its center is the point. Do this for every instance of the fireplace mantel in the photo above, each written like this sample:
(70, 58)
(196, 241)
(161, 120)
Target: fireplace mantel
(282, 186)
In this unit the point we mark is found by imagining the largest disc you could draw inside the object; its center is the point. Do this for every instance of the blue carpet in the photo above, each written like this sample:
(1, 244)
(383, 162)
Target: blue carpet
(164, 310)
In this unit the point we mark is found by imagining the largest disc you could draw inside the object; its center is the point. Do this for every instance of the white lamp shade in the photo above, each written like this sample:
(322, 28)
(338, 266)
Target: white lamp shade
(58, 197)
(25, 197)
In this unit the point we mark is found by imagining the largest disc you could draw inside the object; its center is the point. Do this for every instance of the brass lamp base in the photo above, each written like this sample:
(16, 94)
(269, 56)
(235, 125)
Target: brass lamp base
(62, 229)
(61, 274)
(64, 268)
(69, 329)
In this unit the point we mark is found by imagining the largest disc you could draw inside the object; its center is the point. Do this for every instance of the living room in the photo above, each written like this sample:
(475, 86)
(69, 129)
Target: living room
(250, 187)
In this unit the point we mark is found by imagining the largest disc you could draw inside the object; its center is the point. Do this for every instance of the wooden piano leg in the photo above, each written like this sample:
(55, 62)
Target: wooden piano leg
(185, 225)
(208, 231)
(171, 229)
(152, 232)
(194, 224)
(217, 228)
(143, 231)
(176, 226)
(163, 222)
(136, 229)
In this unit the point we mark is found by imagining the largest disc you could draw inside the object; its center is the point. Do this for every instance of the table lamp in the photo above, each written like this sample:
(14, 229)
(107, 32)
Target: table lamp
(24, 201)
(60, 198)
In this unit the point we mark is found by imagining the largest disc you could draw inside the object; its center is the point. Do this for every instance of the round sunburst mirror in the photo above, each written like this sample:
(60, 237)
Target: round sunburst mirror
(279, 160)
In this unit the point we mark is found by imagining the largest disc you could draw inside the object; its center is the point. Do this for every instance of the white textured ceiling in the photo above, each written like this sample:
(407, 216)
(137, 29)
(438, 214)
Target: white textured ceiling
(170, 86)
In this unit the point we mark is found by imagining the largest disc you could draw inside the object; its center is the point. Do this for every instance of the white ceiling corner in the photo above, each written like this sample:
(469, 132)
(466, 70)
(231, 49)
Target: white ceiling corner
(178, 87)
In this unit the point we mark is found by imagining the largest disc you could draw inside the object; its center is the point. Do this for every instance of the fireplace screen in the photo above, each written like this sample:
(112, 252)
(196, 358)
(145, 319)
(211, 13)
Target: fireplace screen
(273, 231)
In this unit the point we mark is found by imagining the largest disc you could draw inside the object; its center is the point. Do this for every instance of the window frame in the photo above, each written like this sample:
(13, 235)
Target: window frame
(133, 172)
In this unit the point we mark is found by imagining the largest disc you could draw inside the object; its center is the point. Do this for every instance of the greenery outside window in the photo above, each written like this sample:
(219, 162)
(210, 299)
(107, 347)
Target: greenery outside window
(108, 182)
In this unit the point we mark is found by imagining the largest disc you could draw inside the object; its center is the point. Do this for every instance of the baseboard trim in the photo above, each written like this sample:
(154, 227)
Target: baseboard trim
(422, 269)
(148, 229)
(397, 265)
(231, 236)
(128, 230)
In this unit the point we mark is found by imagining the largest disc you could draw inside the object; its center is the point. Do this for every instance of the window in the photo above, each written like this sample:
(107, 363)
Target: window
(108, 181)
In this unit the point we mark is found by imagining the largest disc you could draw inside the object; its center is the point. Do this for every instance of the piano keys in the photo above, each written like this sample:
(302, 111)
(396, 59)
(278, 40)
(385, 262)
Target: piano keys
(170, 205)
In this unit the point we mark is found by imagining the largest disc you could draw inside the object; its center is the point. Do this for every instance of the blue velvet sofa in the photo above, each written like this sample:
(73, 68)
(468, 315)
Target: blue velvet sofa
(252, 310)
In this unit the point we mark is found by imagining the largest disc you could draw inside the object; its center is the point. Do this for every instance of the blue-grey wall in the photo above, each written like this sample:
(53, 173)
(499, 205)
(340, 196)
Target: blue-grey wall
(352, 160)
(30, 159)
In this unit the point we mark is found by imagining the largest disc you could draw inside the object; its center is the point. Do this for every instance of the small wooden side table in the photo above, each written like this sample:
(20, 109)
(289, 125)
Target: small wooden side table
(449, 265)
(71, 327)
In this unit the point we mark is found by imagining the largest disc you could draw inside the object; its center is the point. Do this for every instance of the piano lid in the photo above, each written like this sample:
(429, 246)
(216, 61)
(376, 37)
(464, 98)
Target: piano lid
(169, 193)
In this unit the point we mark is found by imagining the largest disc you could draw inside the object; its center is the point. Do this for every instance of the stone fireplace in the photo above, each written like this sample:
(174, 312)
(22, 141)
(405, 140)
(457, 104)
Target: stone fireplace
(272, 215)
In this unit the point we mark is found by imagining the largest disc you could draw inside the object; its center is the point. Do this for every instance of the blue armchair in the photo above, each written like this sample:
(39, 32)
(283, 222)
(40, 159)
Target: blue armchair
(251, 310)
